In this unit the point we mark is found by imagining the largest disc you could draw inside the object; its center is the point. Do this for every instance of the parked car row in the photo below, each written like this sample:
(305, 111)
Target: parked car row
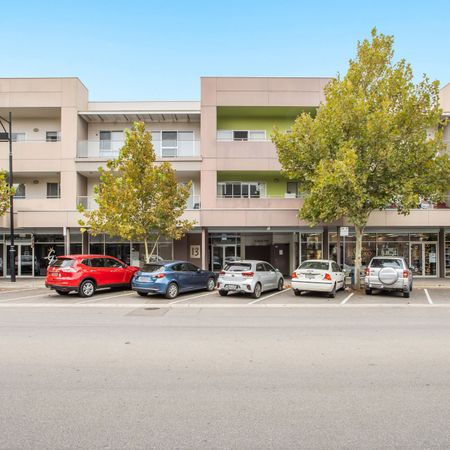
(84, 274)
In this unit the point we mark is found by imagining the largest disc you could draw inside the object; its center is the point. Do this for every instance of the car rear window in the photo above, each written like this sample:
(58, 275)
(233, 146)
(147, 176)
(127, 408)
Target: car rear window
(237, 267)
(316, 265)
(381, 263)
(152, 268)
(63, 262)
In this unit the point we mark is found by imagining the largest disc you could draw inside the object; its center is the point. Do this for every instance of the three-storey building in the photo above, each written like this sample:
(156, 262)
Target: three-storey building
(242, 205)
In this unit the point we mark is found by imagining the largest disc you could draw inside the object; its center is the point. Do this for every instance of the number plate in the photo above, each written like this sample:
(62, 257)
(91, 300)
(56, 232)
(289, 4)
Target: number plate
(54, 274)
(231, 287)
(144, 279)
(309, 276)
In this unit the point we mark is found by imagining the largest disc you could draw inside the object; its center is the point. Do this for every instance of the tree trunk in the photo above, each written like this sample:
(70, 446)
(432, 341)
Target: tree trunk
(358, 249)
(147, 257)
(153, 248)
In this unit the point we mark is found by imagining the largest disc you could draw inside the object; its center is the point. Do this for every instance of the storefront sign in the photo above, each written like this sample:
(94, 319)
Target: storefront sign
(195, 251)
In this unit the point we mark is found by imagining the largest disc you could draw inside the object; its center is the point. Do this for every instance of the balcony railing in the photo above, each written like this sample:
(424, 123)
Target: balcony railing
(262, 197)
(110, 149)
(445, 204)
(89, 203)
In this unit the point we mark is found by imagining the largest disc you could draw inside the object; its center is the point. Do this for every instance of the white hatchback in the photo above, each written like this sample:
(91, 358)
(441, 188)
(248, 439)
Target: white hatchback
(318, 275)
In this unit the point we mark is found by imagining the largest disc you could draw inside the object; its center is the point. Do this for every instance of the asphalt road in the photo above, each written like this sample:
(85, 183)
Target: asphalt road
(308, 372)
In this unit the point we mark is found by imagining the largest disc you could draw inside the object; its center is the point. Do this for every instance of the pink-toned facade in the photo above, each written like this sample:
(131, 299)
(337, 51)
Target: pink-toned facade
(243, 206)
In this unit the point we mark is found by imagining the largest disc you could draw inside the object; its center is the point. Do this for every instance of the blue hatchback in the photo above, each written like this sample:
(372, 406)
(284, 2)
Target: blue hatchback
(172, 277)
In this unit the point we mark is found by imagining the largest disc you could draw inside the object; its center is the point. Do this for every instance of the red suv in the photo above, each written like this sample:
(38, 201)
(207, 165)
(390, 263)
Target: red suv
(85, 273)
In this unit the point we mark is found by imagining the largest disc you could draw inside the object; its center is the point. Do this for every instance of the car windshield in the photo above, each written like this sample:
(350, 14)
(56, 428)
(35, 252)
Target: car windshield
(317, 265)
(63, 262)
(381, 263)
(237, 267)
(152, 268)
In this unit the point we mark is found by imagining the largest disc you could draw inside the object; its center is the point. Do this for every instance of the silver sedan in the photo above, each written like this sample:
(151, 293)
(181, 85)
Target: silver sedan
(249, 277)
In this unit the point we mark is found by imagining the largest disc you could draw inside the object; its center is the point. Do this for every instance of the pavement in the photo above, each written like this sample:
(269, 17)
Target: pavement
(119, 371)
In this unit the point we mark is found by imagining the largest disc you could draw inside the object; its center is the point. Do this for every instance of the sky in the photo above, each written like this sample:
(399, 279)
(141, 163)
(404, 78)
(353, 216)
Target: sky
(158, 50)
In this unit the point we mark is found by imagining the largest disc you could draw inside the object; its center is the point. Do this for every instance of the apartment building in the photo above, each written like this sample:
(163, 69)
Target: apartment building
(242, 205)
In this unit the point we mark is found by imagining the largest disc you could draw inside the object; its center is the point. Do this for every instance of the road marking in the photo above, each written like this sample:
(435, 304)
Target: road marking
(263, 298)
(103, 298)
(191, 298)
(428, 297)
(7, 291)
(218, 305)
(346, 299)
(4, 300)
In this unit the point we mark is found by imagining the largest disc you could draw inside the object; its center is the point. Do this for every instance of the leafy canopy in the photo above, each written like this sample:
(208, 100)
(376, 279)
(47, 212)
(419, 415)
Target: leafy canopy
(5, 193)
(137, 198)
(376, 141)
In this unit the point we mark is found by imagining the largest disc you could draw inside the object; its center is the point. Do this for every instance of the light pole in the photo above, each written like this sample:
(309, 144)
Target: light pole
(6, 136)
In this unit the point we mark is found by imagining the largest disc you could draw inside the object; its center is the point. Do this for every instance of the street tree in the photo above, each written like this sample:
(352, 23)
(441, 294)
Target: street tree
(5, 193)
(138, 199)
(375, 142)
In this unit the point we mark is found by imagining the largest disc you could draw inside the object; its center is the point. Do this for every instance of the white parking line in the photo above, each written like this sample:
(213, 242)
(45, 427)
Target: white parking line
(4, 300)
(103, 298)
(263, 298)
(7, 291)
(191, 298)
(346, 299)
(428, 297)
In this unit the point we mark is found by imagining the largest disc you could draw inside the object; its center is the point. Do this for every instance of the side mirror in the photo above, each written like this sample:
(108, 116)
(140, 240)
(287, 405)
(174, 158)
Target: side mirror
(199, 270)
(277, 270)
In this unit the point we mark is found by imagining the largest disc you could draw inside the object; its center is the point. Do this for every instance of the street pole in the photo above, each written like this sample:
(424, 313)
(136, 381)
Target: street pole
(12, 249)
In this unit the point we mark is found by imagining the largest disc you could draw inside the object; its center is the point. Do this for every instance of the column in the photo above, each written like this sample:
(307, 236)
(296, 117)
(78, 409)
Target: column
(441, 252)
(204, 248)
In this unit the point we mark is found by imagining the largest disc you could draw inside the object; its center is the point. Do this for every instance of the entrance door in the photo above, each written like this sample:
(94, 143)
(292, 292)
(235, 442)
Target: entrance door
(423, 258)
(25, 261)
(221, 254)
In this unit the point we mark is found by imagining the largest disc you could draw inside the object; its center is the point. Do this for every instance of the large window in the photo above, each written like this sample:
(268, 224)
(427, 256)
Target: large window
(173, 144)
(241, 189)
(447, 254)
(110, 142)
(241, 135)
(310, 246)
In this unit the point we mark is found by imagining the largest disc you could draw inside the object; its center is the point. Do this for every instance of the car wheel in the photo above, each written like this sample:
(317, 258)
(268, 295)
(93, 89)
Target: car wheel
(405, 294)
(223, 293)
(297, 293)
(332, 294)
(62, 292)
(87, 288)
(257, 292)
(211, 284)
(142, 293)
(369, 291)
(280, 284)
(172, 290)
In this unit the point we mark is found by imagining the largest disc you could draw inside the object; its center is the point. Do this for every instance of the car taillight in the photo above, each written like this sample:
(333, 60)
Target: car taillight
(248, 274)
(68, 271)
(405, 274)
(159, 275)
(294, 275)
(327, 276)
(367, 272)
(222, 273)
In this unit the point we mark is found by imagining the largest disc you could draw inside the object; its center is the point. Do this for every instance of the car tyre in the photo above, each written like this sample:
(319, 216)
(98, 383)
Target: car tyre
(405, 294)
(172, 291)
(297, 292)
(332, 294)
(257, 292)
(87, 289)
(142, 293)
(223, 293)
(368, 291)
(211, 284)
(62, 292)
(280, 284)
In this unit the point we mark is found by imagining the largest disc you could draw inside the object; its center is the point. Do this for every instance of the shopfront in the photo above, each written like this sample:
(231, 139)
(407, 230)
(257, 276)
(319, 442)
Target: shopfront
(420, 249)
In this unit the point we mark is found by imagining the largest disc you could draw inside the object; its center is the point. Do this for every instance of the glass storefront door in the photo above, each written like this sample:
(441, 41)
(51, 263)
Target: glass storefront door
(25, 261)
(222, 254)
(423, 258)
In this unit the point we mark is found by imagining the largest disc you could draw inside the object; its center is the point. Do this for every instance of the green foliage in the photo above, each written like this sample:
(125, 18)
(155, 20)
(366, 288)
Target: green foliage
(137, 198)
(5, 193)
(376, 141)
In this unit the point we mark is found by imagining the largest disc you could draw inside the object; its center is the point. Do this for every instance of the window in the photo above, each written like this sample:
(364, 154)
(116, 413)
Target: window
(268, 267)
(149, 268)
(20, 190)
(224, 135)
(292, 188)
(111, 140)
(52, 190)
(257, 135)
(98, 262)
(188, 267)
(18, 137)
(260, 267)
(316, 265)
(241, 189)
(86, 262)
(237, 267)
(240, 135)
(169, 144)
(109, 262)
(63, 262)
(335, 267)
(51, 136)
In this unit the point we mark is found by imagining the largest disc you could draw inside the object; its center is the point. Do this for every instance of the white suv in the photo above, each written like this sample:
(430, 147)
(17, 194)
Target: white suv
(388, 273)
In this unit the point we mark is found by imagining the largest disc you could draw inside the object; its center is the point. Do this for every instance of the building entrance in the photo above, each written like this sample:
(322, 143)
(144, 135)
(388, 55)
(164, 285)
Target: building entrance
(423, 258)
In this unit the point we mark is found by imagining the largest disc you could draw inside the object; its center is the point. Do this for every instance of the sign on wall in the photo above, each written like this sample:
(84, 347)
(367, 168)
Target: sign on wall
(343, 231)
(195, 251)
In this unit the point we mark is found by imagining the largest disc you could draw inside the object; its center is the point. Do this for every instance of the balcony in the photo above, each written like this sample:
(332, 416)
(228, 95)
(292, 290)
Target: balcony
(287, 202)
(104, 150)
(89, 203)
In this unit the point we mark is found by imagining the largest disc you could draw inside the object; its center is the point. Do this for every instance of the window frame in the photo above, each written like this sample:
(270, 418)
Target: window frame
(58, 192)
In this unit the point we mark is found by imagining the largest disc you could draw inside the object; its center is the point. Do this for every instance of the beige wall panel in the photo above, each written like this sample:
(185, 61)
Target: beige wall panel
(36, 85)
(294, 98)
(242, 84)
(294, 84)
(208, 91)
(243, 98)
